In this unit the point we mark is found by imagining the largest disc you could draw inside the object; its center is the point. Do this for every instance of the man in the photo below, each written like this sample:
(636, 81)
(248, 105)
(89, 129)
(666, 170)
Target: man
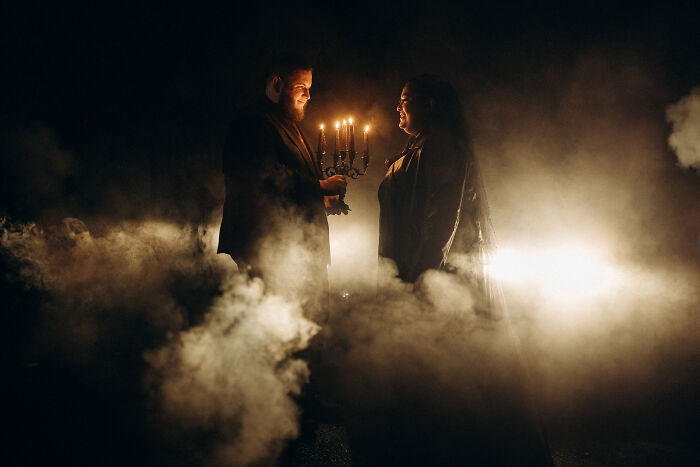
(274, 223)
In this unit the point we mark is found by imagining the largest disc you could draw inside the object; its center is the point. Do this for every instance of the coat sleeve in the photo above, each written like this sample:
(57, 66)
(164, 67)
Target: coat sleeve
(437, 193)
(257, 182)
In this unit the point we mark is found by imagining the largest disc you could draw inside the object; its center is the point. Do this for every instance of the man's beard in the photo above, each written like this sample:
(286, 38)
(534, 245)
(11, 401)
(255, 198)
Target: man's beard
(291, 112)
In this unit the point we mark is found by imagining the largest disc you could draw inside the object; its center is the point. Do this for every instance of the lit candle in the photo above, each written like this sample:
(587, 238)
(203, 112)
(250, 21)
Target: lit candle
(366, 138)
(337, 138)
(322, 141)
(351, 129)
(344, 136)
(365, 156)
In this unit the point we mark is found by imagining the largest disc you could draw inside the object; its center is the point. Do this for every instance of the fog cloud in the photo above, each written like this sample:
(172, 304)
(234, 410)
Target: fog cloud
(225, 364)
(684, 117)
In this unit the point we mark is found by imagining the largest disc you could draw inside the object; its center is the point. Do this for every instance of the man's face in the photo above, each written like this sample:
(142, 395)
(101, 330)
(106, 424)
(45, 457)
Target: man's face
(411, 114)
(295, 94)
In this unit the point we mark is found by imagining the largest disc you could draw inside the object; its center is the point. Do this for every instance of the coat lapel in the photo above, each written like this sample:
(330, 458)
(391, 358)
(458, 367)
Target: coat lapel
(314, 158)
(294, 143)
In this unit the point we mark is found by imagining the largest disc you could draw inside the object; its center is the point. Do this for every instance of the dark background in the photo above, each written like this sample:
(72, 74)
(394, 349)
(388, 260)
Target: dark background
(141, 96)
(119, 113)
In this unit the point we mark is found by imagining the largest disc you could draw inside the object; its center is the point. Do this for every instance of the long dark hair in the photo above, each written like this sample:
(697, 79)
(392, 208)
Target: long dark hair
(446, 112)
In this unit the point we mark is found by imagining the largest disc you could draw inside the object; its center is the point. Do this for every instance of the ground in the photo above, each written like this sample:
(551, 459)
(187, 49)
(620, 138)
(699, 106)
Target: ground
(330, 448)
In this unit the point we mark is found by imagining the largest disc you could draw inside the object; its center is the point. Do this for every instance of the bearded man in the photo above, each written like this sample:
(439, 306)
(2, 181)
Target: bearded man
(274, 222)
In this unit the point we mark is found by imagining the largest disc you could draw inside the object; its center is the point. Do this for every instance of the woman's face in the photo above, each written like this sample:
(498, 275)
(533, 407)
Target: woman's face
(412, 114)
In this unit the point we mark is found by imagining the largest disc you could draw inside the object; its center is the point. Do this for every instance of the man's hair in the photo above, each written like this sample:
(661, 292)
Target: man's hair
(283, 65)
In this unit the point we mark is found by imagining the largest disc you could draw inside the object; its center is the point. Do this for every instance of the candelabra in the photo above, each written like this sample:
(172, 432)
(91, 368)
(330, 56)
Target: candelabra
(345, 154)
(341, 167)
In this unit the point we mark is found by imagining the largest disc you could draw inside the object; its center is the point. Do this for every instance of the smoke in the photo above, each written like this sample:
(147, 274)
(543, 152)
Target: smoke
(602, 285)
(218, 345)
(573, 154)
(425, 376)
(233, 375)
(684, 117)
(102, 284)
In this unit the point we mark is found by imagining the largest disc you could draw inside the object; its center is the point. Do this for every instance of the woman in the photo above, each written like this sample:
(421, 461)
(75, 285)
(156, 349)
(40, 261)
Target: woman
(431, 199)
(434, 216)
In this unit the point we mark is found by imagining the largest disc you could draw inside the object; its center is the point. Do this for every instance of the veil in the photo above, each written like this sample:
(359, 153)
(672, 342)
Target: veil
(471, 258)
(474, 265)
(470, 250)
(471, 246)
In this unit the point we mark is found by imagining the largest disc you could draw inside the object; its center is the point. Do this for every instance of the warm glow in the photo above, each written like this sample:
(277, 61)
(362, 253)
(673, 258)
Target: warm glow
(345, 122)
(353, 254)
(322, 126)
(337, 125)
(350, 120)
(570, 272)
(366, 128)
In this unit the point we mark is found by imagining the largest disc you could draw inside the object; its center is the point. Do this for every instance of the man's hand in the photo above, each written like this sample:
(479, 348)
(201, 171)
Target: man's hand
(335, 185)
(335, 206)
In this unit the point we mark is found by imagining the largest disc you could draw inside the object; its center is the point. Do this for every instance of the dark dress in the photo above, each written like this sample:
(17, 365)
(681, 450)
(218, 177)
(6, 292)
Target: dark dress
(427, 201)
(432, 211)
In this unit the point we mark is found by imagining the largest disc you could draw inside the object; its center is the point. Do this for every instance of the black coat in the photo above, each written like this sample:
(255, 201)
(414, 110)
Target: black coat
(272, 186)
(424, 192)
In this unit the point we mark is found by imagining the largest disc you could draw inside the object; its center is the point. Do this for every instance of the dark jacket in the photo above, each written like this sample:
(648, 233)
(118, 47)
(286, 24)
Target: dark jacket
(272, 185)
(419, 202)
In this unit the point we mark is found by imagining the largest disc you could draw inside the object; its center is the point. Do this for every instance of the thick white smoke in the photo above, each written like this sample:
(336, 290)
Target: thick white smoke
(684, 117)
(233, 374)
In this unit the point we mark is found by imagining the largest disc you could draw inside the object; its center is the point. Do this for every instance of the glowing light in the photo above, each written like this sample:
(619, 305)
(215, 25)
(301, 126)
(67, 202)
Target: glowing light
(353, 263)
(322, 126)
(366, 128)
(337, 125)
(563, 273)
(350, 120)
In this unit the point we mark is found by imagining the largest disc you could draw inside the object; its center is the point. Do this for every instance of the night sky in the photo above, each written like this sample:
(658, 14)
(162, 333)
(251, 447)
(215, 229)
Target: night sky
(117, 116)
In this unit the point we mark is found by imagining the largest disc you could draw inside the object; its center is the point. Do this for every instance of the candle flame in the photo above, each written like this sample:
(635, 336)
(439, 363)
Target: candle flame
(366, 128)
(337, 125)
(322, 126)
(350, 120)
(345, 122)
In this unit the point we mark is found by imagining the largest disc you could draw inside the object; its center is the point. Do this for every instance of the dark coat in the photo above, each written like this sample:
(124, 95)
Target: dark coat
(272, 185)
(419, 202)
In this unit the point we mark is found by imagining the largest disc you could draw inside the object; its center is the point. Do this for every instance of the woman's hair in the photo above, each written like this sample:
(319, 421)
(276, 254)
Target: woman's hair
(446, 112)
